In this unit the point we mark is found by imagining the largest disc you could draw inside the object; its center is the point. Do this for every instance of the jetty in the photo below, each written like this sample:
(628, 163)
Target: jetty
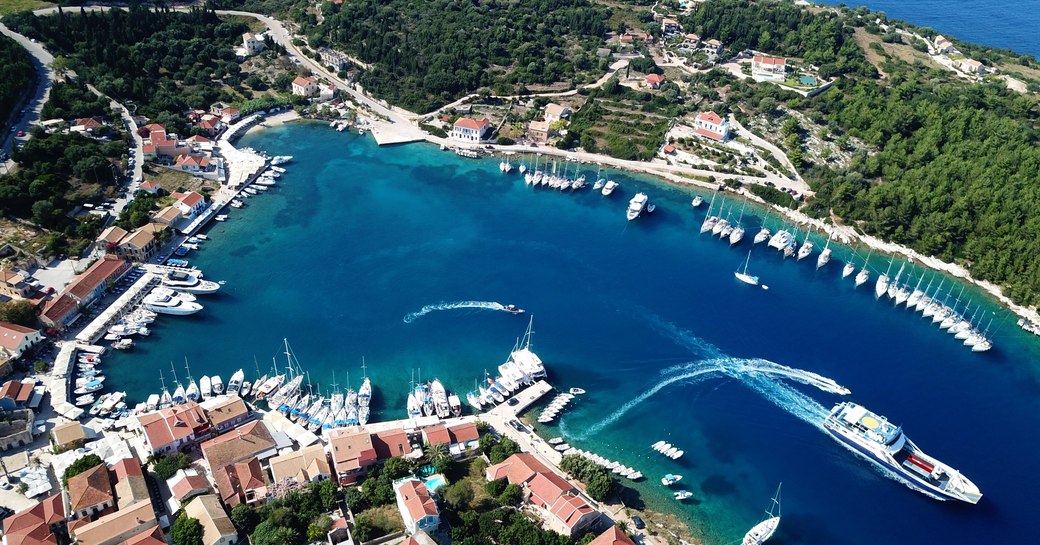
(133, 295)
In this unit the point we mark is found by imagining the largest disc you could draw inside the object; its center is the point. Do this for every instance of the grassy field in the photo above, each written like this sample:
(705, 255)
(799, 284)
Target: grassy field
(8, 7)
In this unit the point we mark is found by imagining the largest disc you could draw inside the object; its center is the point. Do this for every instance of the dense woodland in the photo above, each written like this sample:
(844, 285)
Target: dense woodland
(15, 74)
(425, 54)
(163, 62)
(953, 168)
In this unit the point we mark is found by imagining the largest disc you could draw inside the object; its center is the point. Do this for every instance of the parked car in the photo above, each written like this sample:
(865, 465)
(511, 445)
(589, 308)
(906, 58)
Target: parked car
(638, 522)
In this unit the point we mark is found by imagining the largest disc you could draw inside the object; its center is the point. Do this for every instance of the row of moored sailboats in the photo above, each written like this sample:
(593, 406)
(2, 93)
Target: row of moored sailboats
(541, 174)
(522, 368)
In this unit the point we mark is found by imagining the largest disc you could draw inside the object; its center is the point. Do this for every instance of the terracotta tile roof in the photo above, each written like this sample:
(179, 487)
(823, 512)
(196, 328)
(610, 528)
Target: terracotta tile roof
(112, 234)
(67, 433)
(155, 537)
(187, 485)
(234, 480)
(304, 464)
(90, 488)
(199, 139)
(437, 435)
(107, 267)
(190, 198)
(200, 161)
(613, 536)
(464, 433)
(518, 468)
(570, 509)
(304, 81)
(11, 335)
(772, 61)
(164, 427)
(710, 134)
(148, 148)
(417, 499)
(216, 525)
(669, 149)
(469, 123)
(32, 526)
(130, 486)
(88, 122)
(19, 391)
(351, 449)
(58, 308)
(168, 214)
(241, 443)
(229, 409)
(710, 117)
(148, 184)
(547, 487)
(655, 79)
(390, 443)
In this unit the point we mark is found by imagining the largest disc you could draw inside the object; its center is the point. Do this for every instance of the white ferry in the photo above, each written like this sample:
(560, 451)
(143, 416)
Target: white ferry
(878, 440)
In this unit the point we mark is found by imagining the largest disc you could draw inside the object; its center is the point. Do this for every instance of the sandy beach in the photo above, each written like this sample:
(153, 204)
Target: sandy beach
(275, 120)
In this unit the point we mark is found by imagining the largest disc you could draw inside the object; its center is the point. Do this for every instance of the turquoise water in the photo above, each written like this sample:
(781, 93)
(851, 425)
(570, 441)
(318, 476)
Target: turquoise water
(645, 315)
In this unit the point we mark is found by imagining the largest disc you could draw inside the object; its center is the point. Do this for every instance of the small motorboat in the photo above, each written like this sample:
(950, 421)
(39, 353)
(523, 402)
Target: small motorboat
(683, 495)
(697, 201)
(651, 207)
(576, 391)
(513, 309)
(670, 479)
(556, 441)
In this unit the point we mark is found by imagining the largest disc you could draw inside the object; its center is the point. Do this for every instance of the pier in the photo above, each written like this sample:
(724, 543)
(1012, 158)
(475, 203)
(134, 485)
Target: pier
(133, 295)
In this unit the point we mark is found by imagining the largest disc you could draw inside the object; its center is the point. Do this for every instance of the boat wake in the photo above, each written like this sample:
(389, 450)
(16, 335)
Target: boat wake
(485, 305)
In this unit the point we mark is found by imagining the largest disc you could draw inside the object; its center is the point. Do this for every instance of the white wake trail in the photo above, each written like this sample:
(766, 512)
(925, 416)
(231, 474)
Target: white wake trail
(485, 305)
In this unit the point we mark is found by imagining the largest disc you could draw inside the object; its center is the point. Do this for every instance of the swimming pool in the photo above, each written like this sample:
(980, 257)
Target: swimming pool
(433, 482)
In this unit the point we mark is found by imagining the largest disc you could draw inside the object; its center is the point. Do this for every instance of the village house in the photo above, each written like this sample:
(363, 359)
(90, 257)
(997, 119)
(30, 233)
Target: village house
(70, 435)
(457, 438)
(157, 143)
(41, 524)
(713, 47)
(63, 309)
(128, 482)
(971, 66)
(690, 43)
(86, 125)
(555, 112)
(217, 528)
(654, 81)
(252, 43)
(392, 443)
(142, 244)
(559, 503)
(167, 430)
(470, 130)
(16, 340)
(538, 131)
(333, 58)
(226, 412)
(168, 215)
(16, 431)
(352, 453)
(668, 26)
(90, 493)
(305, 86)
(768, 68)
(13, 285)
(194, 164)
(17, 394)
(59, 312)
(117, 528)
(943, 45)
(242, 443)
(612, 536)
(307, 465)
(190, 204)
(210, 124)
(418, 510)
(711, 125)
(185, 485)
(150, 187)
(241, 482)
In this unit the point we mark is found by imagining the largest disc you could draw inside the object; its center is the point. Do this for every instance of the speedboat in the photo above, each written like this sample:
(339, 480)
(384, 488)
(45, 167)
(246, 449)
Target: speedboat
(205, 387)
(609, 188)
(218, 385)
(235, 384)
(697, 201)
(669, 479)
(636, 206)
(683, 495)
(247, 388)
(576, 391)
(513, 309)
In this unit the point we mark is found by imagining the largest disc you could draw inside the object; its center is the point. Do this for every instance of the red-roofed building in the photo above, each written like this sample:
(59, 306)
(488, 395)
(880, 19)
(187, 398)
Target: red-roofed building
(547, 487)
(192, 163)
(155, 537)
(418, 510)
(149, 151)
(17, 340)
(186, 484)
(436, 435)
(18, 392)
(464, 433)
(613, 536)
(211, 124)
(655, 80)
(571, 515)
(90, 492)
(670, 25)
(190, 204)
(94, 281)
(241, 482)
(150, 187)
(470, 130)
(87, 124)
(169, 429)
(391, 443)
(768, 68)
(517, 469)
(230, 115)
(711, 125)
(38, 525)
(305, 86)
(353, 452)
(668, 149)
(59, 312)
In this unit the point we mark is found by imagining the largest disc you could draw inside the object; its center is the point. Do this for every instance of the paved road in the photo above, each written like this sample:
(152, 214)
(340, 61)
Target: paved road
(137, 154)
(41, 60)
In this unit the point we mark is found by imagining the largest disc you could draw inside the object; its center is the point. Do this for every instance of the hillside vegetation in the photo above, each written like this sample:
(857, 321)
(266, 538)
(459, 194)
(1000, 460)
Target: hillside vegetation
(15, 74)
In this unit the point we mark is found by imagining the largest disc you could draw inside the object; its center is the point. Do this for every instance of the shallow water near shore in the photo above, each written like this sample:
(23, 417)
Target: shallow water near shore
(645, 315)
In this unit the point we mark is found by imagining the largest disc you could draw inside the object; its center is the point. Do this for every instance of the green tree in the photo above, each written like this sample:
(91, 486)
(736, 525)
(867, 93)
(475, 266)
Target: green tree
(511, 495)
(186, 531)
(396, 467)
(18, 312)
(245, 518)
(459, 495)
(40, 366)
(319, 529)
(89, 461)
(267, 533)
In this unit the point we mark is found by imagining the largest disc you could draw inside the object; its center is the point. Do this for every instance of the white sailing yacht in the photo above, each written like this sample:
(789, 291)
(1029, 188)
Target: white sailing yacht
(882, 282)
(825, 255)
(709, 220)
(743, 276)
(738, 230)
(806, 248)
(864, 275)
(762, 236)
(893, 286)
(764, 530)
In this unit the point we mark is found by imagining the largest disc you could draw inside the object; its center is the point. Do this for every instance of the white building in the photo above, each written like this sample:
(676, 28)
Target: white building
(768, 68)
(418, 510)
(253, 43)
(470, 130)
(711, 125)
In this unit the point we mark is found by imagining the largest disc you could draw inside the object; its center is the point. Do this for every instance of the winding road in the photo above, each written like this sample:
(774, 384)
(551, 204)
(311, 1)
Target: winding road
(41, 61)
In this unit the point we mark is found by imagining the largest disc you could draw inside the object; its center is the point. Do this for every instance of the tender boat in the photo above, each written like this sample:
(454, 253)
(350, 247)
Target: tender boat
(697, 201)
(576, 391)
(873, 437)
(609, 187)
(670, 479)
(513, 309)
(683, 495)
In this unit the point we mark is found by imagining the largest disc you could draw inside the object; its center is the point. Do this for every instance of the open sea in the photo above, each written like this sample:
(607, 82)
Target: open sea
(343, 255)
(996, 23)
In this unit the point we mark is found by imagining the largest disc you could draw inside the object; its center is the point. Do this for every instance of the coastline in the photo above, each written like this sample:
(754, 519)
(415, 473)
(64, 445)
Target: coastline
(276, 120)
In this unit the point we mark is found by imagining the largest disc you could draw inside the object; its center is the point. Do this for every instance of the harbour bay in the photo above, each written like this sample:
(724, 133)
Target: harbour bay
(355, 238)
